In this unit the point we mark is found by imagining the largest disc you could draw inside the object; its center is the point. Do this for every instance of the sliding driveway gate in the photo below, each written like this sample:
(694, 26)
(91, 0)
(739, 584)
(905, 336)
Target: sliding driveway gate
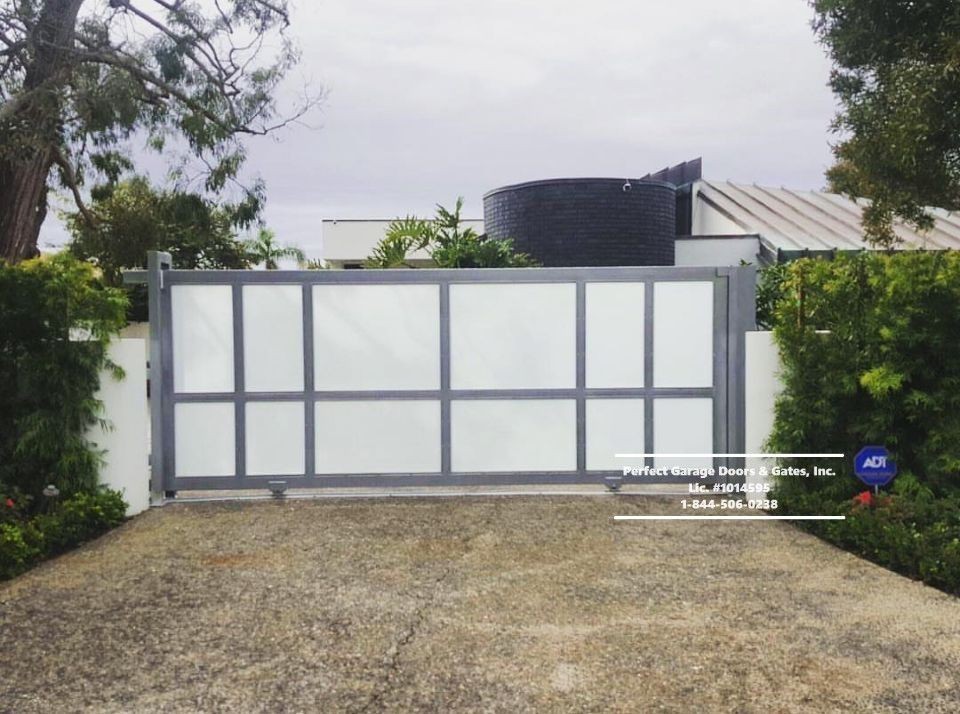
(383, 378)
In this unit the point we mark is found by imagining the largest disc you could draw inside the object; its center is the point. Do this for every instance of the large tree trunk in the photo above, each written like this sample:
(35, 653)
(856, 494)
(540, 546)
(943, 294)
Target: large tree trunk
(31, 136)
(23, 205)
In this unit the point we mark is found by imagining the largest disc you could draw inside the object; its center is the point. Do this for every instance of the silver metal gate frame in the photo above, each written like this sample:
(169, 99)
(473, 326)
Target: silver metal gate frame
(734, 314)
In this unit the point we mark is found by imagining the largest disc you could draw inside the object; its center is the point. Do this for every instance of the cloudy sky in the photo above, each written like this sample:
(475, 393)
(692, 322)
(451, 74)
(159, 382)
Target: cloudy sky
(431, 99)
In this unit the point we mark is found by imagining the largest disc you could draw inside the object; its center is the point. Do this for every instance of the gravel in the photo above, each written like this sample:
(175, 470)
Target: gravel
(492, 604)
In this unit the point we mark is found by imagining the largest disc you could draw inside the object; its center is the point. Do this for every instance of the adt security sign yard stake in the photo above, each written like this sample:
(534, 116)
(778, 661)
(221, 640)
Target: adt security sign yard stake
(874, 467)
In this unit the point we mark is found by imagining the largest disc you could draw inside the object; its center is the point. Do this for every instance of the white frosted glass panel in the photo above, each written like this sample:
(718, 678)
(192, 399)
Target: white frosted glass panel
(204, 437)
(614, 426)
(273, 338)
(512, 336)
(202, 338)
(614, 334)
(395, 436)
(513, 435)
(275, 438)
(376, 337)
(683, 334)
(683, 426)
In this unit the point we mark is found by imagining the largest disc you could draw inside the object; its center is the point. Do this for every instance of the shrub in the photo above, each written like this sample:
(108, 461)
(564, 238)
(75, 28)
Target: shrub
(448, 244)
(915, 538)
(48, 380)
(16, 552)
(14, 505)
(769, 290)
(78, 519)
(867, 345)
(74, 521)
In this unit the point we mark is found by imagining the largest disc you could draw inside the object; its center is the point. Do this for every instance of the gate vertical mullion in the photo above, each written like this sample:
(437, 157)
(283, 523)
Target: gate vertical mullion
(648, 290)
(581, 363)
(239, 395)
(446, 468)
(309, 399)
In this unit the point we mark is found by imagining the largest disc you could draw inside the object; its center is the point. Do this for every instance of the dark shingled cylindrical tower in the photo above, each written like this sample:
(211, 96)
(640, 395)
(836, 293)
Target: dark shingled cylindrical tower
(586, 221)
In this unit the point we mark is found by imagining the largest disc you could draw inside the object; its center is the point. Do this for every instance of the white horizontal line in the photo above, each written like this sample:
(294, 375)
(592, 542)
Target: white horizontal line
(737, 456)
(729, 518)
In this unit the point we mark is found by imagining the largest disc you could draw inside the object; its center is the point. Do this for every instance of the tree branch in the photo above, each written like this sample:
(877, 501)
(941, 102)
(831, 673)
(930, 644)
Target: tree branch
(130, 65)
(11, 45)
(13, 105)
(70, 178)
(186, 44)
(234, 126)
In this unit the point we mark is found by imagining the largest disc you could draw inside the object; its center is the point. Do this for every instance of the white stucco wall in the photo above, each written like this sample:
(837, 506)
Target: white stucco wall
(125, 408)
(138, 331)
(709, 252)
(762, 387)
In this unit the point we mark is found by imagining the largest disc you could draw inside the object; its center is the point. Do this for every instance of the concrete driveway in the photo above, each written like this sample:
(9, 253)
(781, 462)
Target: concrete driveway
(494, 604)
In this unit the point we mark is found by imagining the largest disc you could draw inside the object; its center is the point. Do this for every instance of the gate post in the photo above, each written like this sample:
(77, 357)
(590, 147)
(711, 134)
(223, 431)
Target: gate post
(742, 305)
(157, 262)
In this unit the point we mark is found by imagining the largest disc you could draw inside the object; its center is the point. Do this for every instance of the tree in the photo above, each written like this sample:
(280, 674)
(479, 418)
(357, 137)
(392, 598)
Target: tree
(448, 244)
(131, 218)
(79, 78)
(897, 77)
(264, 250)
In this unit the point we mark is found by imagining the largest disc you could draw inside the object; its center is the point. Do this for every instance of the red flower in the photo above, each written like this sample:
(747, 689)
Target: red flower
(10, 503)
(864, 498)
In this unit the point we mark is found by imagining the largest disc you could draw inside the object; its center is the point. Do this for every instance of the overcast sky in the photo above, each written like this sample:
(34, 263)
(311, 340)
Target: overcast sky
(430, 99)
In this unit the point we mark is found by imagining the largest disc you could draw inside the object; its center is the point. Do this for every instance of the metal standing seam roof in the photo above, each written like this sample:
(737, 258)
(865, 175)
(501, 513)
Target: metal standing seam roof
(814, 220)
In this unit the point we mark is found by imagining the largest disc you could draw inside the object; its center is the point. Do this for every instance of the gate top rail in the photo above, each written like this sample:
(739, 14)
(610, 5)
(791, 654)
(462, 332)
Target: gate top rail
(419, 275)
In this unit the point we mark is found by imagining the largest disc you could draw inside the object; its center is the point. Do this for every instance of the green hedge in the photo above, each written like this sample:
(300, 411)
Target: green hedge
(56, 321)
(906, 528)
(25, 541)
(869, 345)
(48, 381)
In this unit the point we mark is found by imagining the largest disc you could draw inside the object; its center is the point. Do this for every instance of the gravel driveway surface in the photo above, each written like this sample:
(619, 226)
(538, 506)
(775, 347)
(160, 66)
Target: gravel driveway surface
(496, 604)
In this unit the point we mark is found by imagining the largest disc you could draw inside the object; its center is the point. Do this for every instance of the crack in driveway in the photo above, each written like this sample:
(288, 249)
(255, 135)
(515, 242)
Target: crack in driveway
(391, 661)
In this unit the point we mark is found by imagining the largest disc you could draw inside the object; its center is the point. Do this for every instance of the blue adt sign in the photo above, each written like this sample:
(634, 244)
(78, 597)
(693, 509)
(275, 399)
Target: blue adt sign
(873, 466)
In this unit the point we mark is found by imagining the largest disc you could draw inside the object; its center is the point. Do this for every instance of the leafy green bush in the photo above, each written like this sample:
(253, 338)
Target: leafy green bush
(867, 346)
(78, 519)
(769, 290)
(66, 525)
(48, 381)
(919, 538)
(448, 245)
(14, 505)
(16, 551)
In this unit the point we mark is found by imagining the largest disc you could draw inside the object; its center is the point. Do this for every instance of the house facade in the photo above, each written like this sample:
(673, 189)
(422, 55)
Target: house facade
(671, 217)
